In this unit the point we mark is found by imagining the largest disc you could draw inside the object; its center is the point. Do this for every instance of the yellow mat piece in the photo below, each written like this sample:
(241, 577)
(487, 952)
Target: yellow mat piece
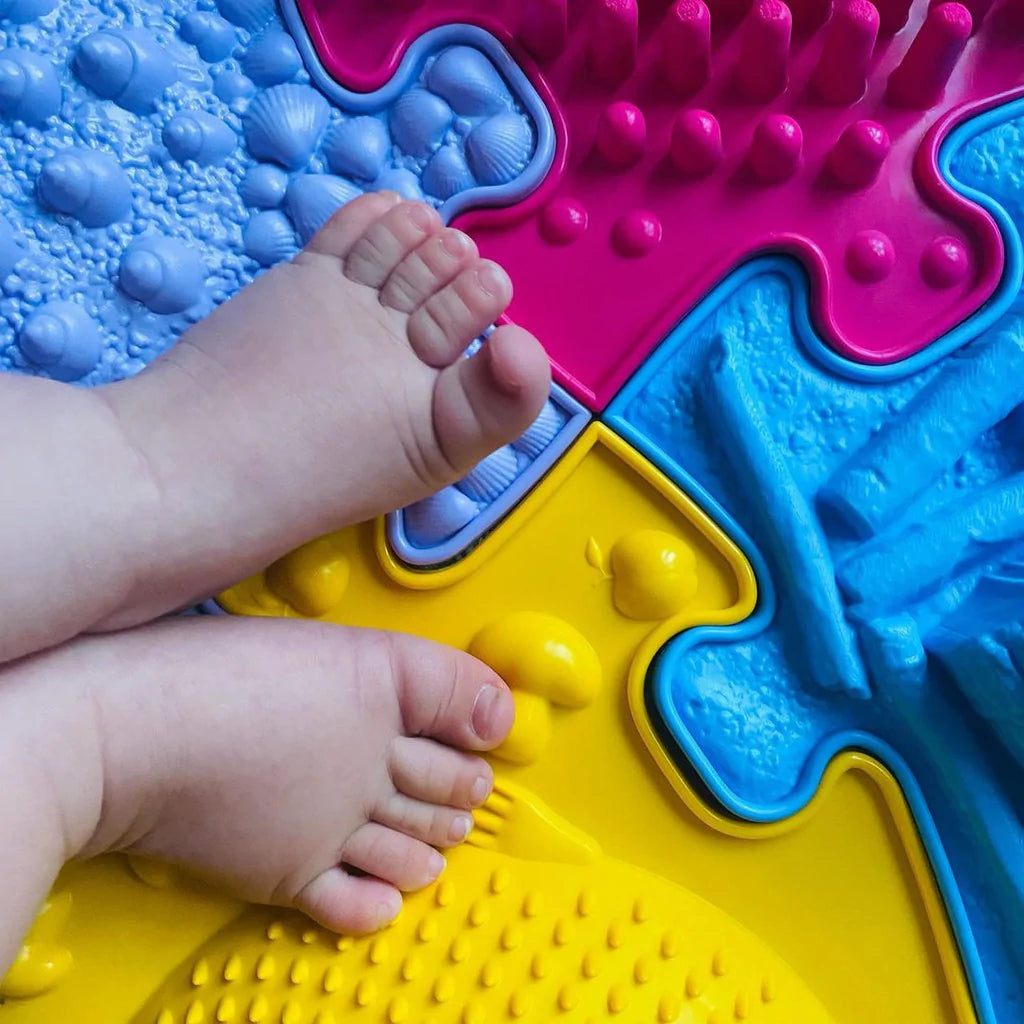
(571, 597)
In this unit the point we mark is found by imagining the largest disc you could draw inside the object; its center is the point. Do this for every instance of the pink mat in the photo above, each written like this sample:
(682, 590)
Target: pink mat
(644, 210)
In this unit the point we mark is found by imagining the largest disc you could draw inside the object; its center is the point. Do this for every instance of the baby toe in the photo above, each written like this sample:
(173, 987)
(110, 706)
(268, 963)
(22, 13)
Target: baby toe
(388, 240)
(427, 269)
(441, 328)
(448, 695)
(345, 903)
(429, 771)
(427, 822)
(349, 223)
(486, 401)
(407, 863)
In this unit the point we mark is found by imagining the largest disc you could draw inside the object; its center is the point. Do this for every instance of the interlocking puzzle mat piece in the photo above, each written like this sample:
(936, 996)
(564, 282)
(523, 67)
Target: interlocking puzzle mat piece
(157, 155)
(886, 527)
(688, 143)
(502, 938)
(562, 570)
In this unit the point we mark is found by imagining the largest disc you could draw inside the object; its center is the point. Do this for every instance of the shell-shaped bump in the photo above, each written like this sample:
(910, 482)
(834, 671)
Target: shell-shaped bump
(264, 186)
(402, 181)
(23, 11)
(209, 33)
(491, 477)
(438, 517)
(269, 238)
(86, 184)
(447, 173)
(29, 89)
(499, 148)
(61, 338)
(197, 135)
(271, 58)
(419, 120)
(163, 273)
(469, 82)
(11, 249)
(358, 147)
(312, 198)
(540, 433)
(127, 66)
(284, 124)
(251, 15)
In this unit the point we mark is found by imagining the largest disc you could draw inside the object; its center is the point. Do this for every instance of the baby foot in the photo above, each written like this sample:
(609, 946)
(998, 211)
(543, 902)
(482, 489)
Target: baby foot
(329, 391)
(300, 764)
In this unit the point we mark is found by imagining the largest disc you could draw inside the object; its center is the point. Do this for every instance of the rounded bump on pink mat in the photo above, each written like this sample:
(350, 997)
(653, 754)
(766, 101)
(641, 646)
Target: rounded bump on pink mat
(696, 147)
(686, 46)
(636, 233)
(858, 154)
(563, 220)
(944, 262)
(870, 256)
(775, 148)
(621, 134)
(920, 78)
(762, 68)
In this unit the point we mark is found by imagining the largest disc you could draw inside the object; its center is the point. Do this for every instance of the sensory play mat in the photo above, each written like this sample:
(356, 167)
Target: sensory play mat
(755, 574)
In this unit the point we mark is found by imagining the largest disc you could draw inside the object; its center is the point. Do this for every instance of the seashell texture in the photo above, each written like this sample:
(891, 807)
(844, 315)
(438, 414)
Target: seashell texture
(271, 58)
(232, 86)
(438, 517)
(29, 89)
(162, 273)
(23, 11)
(127, 66)
(447, 173)
(499, 148)
(86, 184)
(199, 136)
(63, 339)
(402, 181)
(312, 198)
(210, 34)
(540, 433)
(269, 238)
(469, 82)
(11, 249)
(358, 147)
(418, 121)
(264, 186)
(284, 124)
(251, 15)
(490, 478)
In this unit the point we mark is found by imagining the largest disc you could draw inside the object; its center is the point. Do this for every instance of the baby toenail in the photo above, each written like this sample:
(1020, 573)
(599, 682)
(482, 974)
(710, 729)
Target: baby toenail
(453, 243)
(481, 790)
(420, 216)
(484, 710)
(461, 827)
(436, 864)
(492, 279)
(391, 907)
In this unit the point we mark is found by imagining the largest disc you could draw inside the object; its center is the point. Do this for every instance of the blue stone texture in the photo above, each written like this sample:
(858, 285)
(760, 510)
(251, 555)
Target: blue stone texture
(155, 156)
(885, 522)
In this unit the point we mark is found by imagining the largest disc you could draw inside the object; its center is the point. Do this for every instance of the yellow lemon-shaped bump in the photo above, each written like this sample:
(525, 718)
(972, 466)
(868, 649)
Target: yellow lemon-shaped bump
(541, 654)
(42, 960)
(531, 731)
(654, 574)
(312, 579)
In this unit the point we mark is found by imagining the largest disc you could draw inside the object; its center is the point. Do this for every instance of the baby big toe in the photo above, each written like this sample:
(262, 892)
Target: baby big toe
(425, 770)
(407, 863)
(486, 401)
